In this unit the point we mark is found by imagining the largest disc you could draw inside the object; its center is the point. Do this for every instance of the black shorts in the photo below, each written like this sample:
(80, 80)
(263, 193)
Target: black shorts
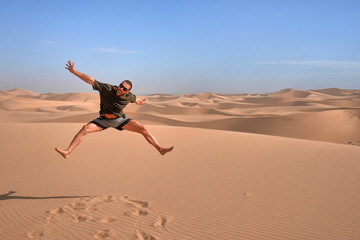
(116, 123)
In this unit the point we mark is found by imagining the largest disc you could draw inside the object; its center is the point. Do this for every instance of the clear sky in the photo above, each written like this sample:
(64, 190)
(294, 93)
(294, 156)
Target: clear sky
(181, 46)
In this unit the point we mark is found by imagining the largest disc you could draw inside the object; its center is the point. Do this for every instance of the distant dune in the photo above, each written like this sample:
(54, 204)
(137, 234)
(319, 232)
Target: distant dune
(326, 114)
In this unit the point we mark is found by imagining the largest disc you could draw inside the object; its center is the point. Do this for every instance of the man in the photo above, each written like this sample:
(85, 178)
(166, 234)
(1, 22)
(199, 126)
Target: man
(113, 100)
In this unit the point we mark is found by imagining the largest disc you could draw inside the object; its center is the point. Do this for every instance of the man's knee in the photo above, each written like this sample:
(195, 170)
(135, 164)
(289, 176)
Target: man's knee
(85, 129)
(143, 130)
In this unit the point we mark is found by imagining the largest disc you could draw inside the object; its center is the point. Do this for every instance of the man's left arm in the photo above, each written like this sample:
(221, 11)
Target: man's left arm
(141, 101)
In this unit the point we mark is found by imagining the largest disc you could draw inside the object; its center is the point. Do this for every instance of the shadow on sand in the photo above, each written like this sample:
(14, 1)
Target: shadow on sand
(7, 196)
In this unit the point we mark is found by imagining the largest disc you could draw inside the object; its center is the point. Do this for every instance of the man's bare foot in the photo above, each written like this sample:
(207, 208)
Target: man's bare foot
(163, 151)
(63, 153)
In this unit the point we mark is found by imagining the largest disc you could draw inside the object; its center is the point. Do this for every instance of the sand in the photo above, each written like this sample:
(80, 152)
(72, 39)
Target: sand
(283, 165)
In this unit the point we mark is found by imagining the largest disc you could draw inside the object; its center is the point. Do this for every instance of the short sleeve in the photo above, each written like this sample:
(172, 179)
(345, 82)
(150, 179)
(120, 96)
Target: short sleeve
(97, 86)
(133, 98)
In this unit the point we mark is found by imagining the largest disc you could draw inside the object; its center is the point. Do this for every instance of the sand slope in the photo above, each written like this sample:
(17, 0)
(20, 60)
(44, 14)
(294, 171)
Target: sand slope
(214, 185)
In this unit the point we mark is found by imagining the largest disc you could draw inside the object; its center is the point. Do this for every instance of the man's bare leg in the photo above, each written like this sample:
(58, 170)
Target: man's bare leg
(88, 128)
(135, 126)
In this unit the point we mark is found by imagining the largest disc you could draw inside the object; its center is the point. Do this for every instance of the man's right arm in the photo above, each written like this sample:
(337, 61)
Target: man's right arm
(82, 76)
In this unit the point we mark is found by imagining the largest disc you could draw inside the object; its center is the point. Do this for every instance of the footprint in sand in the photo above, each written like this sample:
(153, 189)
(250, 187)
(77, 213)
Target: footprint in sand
(103, 220)
(143, 235)
(55, 211)
(103, 199)
(35, 234)
(77, 218)
(89, 204)
(51, 219)
(136, 203)
(136, 213)
(101, 234)
(83, 204)
(160, 222)
(138, 223)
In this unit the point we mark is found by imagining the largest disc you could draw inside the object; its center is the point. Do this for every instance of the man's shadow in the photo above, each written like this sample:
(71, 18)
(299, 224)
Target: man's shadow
(7, 196)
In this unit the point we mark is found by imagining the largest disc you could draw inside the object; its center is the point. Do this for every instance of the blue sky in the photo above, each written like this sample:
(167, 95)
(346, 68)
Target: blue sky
(181, 46)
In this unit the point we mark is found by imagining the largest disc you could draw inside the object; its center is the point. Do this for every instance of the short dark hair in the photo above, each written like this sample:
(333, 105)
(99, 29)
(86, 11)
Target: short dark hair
(128, 82)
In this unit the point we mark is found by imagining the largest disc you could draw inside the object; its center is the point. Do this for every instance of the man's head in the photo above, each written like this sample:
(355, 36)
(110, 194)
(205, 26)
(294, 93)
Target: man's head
(124, 88)
(127, 82)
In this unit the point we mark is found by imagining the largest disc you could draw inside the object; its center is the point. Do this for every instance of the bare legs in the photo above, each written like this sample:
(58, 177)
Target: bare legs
(135, 126)
(88, 128)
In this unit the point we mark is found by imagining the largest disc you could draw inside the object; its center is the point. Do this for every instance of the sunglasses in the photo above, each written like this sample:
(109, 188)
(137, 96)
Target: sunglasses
(124, 88)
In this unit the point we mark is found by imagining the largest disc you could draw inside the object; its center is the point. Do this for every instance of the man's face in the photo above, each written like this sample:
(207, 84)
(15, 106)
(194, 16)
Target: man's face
(124, 88)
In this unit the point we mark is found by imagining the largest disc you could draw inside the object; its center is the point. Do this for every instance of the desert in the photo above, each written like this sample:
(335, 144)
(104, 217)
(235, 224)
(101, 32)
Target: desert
(282, 165)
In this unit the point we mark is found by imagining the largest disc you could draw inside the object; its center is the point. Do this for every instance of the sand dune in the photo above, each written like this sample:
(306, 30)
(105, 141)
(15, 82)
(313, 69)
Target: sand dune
(245, 166)
(293, 93)
(338, 92)
(326, 115)
(16, 92)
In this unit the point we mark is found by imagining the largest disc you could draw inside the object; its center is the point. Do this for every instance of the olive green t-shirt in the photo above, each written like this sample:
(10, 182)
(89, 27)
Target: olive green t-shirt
(110, 103)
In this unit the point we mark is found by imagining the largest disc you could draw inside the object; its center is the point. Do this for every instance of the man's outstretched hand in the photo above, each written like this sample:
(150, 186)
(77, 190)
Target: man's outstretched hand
(145, 100)
(142, 101)
(70, 66)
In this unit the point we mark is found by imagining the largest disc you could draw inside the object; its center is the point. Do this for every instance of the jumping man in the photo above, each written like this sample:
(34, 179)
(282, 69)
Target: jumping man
(113, 100)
